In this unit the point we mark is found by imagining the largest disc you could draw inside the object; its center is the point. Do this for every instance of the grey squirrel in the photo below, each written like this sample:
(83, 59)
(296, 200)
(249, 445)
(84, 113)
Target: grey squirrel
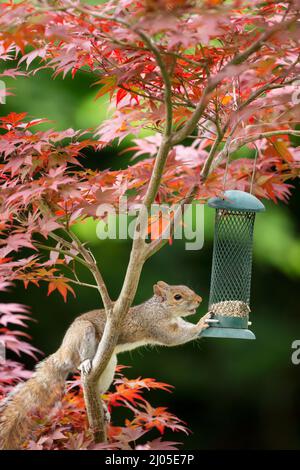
(158, 321)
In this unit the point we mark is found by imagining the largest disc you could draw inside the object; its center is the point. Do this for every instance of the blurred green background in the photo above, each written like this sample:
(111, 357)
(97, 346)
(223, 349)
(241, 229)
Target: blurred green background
(233, 394)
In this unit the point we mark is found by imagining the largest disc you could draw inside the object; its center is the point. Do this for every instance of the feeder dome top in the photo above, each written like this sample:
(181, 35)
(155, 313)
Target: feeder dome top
(237, 201)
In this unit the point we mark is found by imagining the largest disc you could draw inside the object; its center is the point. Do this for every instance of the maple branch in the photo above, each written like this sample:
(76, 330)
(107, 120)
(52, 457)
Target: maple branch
(88, 261)
(73, 281)
(268, 87)
(213, 82)
(94, 406)
(61, 240)
(157, 244)
(212, 153)
(166, 79)
(154, 49)
(82, 284)
(264, 135)
(272, 85)
(93, 267)
(63, 252)
(190, 125)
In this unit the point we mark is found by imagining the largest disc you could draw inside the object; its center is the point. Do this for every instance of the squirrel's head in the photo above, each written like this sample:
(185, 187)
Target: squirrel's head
(179, 300)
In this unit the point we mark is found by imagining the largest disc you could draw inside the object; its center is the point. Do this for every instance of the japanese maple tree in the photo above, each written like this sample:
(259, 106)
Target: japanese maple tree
(222, 74)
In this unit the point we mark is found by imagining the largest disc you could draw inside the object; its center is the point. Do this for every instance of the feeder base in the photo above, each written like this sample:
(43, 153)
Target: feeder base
(237, 333)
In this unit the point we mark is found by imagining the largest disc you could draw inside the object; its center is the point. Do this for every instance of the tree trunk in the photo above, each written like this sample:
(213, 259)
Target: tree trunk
(94, 408)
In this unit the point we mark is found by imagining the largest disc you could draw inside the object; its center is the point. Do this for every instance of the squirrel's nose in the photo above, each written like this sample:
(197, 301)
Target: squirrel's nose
(199, 299)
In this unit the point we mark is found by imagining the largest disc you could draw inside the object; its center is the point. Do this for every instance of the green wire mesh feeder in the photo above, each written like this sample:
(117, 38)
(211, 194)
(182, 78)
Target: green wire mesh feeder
(232, 265)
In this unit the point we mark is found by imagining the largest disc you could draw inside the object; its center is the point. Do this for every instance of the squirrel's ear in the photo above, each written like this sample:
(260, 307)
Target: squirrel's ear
(163, 284)
(159, 288)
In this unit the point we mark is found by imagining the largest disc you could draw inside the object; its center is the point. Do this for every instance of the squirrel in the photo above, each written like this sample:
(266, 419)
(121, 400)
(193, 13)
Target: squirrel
(158, 321)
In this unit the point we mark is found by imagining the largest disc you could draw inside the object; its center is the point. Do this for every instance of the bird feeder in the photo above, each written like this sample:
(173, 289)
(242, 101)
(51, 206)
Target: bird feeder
(229, 301)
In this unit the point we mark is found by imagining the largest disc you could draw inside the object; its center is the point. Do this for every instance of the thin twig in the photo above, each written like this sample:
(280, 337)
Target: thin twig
(107, 302)
(63, 252)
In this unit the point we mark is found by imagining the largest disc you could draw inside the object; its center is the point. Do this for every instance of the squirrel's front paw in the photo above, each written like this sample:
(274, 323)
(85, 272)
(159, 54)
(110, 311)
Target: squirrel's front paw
(86, 366)
(203, 323)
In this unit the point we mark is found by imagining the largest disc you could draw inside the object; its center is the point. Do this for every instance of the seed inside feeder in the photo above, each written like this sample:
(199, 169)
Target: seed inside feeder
(230, 308)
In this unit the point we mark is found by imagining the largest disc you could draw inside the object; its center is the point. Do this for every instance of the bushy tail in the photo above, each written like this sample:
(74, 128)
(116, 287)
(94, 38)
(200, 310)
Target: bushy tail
(39, 393)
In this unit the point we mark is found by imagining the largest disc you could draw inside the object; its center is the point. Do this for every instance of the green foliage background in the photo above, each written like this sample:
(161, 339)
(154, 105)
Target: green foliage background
(233, 394)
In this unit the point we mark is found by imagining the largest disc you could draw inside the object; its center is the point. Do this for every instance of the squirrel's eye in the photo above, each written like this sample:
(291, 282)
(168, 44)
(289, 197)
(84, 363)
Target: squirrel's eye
(177, 297)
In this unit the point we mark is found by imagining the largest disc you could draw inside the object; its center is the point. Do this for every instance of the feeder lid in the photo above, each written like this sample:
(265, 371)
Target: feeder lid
(237, 201)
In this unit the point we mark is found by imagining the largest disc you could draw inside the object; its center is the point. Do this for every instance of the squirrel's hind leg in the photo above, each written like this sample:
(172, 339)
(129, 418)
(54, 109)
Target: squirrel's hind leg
(81, 337)
(87, 350)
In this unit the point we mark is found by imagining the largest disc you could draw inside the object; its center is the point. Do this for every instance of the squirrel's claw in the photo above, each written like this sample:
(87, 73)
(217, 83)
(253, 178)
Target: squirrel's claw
(86, 367)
